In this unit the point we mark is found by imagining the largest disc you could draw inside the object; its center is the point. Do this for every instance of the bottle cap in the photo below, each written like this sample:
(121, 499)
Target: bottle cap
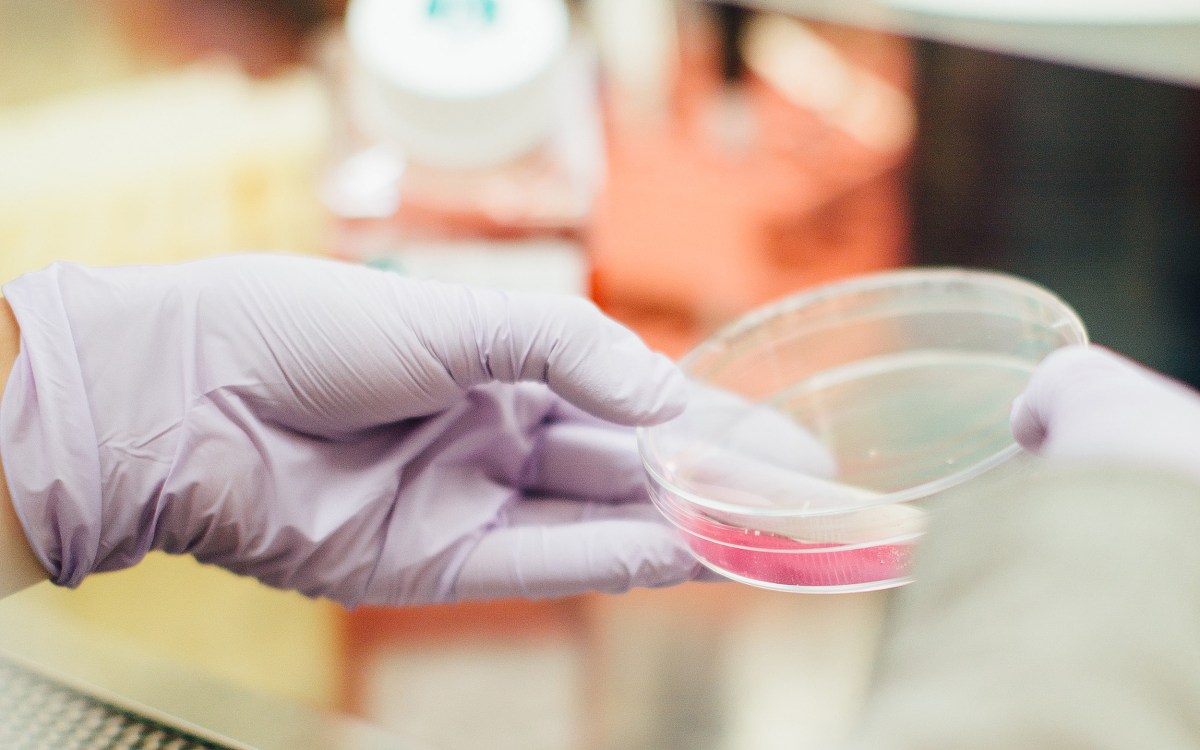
(458, 83)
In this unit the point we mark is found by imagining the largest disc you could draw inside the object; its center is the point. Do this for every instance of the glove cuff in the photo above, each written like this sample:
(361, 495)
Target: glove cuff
(47, 437)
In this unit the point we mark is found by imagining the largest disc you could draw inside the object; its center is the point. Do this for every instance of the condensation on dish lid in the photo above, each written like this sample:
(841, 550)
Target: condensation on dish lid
(459, 84)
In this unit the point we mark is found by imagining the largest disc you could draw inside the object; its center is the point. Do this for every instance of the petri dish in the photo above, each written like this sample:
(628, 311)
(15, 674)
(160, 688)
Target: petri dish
(822, 425)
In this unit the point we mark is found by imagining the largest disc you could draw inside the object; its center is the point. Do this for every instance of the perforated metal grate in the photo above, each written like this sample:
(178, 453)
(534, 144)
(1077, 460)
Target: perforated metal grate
(39, 713)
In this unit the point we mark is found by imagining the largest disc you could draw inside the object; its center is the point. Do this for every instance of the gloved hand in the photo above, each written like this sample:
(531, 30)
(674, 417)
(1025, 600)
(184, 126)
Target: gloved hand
(1085, 402)
(333, 429)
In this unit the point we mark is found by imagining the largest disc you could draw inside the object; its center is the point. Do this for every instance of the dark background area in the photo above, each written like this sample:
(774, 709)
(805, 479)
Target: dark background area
(1086, 182)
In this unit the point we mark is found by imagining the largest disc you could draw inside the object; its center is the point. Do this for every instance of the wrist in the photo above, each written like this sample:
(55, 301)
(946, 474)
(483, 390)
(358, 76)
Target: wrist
(19, 567)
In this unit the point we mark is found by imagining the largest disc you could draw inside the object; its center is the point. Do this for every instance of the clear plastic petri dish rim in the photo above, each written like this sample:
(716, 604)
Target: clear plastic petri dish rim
(822, 421)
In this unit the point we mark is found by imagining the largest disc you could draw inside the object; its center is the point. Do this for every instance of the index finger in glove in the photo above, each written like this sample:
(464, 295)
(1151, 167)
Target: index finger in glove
(584, 356)
(327, 346)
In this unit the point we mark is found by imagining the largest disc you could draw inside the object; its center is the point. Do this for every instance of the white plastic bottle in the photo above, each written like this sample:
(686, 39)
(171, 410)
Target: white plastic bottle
(467, 143)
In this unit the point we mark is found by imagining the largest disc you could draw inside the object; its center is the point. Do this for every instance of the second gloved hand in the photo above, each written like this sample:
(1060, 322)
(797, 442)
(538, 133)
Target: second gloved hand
(341, 431)
(1085, 402)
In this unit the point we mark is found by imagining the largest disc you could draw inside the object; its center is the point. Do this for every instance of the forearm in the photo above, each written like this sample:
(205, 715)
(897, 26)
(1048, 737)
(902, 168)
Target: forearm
(1052, 613)
(19, 568)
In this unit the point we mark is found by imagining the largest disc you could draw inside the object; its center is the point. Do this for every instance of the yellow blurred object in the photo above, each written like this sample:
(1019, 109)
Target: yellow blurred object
(178, 165)
(202, 619)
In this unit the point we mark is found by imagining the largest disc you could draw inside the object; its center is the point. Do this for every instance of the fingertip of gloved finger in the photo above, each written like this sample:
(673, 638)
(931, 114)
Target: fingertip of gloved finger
(1027, 428)
(592, 360)
(1033, 409)
(617, 378)
(1064, 378)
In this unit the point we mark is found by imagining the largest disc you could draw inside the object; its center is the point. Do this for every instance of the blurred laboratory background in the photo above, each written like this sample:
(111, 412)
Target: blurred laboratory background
(678, 161)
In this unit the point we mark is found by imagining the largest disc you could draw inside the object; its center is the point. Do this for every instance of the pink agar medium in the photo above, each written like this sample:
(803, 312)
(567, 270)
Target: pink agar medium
(771, 558)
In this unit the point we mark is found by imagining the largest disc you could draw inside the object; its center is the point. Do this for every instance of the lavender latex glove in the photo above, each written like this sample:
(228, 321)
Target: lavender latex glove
(1085, 402)
(333, 429)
